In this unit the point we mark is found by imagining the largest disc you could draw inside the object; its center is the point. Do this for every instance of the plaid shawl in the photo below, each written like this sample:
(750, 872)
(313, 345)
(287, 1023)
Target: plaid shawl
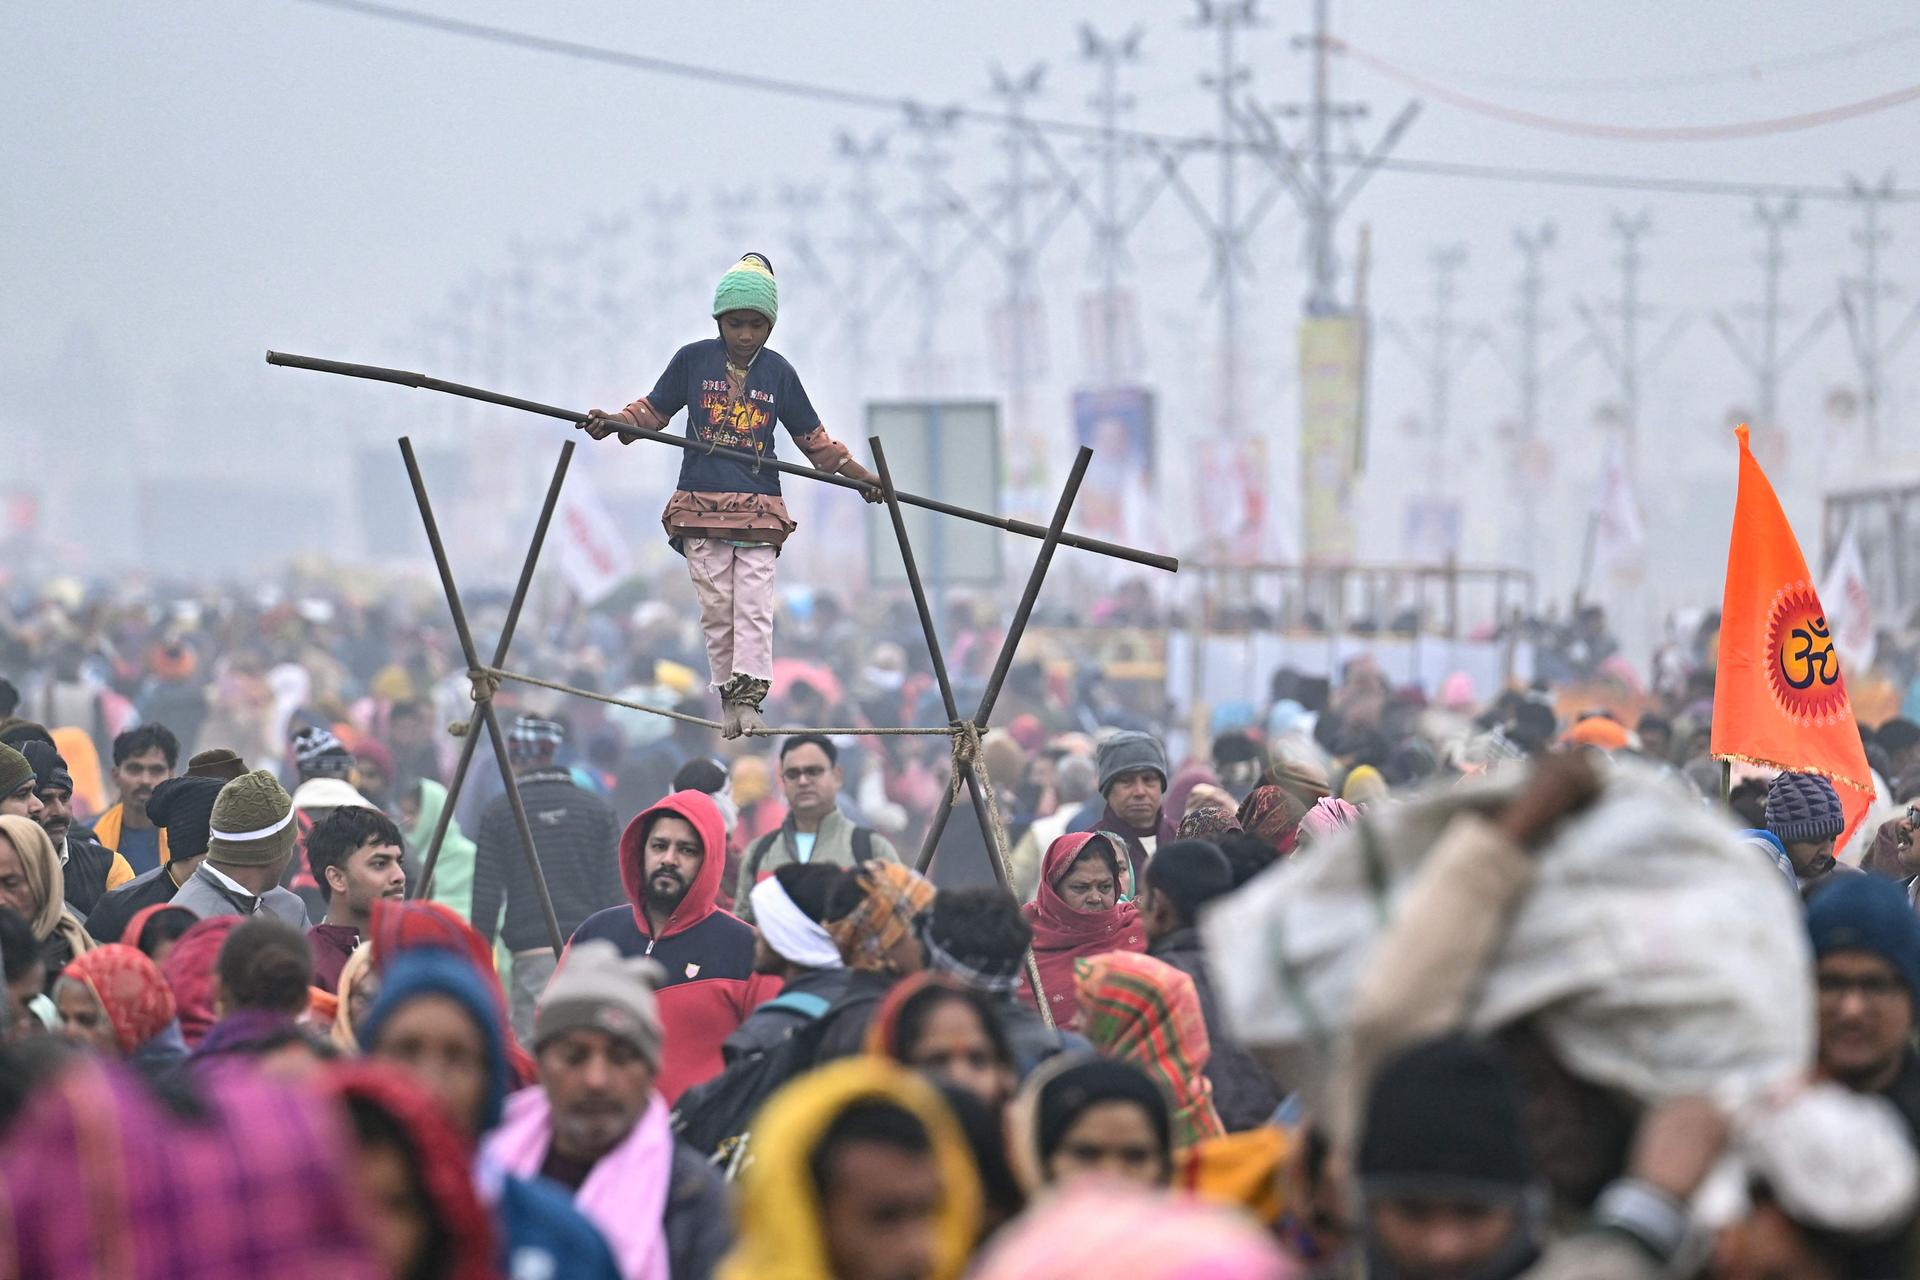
(893, 896)
(1273, 813)
(1146, 1012)
(98, 1178)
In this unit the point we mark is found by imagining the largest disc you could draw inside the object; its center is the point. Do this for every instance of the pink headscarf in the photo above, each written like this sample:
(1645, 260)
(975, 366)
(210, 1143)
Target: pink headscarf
(1327, 816)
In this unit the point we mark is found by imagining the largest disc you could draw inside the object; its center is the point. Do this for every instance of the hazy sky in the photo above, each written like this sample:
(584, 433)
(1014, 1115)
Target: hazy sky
(187, 185)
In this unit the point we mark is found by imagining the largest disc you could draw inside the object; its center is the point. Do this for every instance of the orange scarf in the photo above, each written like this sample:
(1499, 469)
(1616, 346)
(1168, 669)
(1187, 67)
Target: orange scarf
(107, 831)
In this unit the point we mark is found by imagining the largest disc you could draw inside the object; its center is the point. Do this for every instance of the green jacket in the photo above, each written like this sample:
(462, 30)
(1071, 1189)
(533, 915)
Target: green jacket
(834, 845)
(453, 872)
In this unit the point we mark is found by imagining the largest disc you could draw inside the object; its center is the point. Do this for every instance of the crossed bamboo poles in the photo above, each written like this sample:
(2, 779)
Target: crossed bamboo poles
(964, 735)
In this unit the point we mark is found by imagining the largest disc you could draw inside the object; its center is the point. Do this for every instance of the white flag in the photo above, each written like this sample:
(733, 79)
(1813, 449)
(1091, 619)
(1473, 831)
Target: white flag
(1621, 537)
(594, 557)
(1849, 607)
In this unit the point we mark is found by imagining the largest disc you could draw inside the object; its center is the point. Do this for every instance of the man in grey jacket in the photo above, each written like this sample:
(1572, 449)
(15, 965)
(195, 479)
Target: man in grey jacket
(815, 830)
(251, 838)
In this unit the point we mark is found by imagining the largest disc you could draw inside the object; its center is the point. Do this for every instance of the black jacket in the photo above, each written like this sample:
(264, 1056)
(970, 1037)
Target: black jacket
(804, 997)
(111, 915)
(577, 837)
(843, 1027)
(1904, 1094)
(698, 1221)
(88, 862)
(1033, 1041)
(1244, 1092)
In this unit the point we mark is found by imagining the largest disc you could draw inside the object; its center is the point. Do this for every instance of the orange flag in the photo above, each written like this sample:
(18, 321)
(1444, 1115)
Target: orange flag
(1779, 698)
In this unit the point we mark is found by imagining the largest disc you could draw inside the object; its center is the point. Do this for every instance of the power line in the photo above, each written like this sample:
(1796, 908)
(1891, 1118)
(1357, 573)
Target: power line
(1746, 72)
(1089, 130)
(1633, 133)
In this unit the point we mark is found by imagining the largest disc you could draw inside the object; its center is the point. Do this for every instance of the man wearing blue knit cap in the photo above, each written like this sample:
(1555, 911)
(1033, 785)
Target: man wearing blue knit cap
(726, 515)
(1866, 946)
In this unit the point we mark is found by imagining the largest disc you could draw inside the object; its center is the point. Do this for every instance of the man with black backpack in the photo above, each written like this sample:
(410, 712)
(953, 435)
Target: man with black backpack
(794, 946)
(815, 832)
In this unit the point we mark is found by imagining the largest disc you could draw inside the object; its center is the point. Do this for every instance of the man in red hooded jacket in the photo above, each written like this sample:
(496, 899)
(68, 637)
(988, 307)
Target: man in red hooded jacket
(671, 860)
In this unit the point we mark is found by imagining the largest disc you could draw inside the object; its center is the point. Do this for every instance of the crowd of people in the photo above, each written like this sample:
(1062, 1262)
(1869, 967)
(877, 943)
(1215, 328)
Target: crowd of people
(1273, 1003)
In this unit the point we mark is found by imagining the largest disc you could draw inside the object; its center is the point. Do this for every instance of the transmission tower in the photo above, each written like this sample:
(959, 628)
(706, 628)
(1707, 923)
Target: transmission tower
(1227, 19)
(1622, 349)
(1110, 225)
(1321, 199)
(1860, 298)
(932, 127)
(1768, 364)
(1021, 328)
(1530, 380)
(667, 273)
(868, 231)
(1442, 358)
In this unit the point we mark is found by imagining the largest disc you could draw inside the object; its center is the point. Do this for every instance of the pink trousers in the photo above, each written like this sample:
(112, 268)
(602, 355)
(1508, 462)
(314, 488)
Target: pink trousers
(735, 586)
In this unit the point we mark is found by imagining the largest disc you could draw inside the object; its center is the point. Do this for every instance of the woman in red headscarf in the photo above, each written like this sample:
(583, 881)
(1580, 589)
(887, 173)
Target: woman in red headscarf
(189, 972)
(1081, 909)
(114, 1000)
(423, 1216)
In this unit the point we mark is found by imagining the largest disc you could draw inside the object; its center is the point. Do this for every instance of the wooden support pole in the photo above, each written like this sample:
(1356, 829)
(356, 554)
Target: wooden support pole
(1016, 628)
(485, 704)
(938, 659)
(401, 377)
(471, 739)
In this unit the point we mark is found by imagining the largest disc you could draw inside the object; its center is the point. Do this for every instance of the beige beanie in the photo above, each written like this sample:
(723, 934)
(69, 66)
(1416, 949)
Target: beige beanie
(252, 822)
(598, 989)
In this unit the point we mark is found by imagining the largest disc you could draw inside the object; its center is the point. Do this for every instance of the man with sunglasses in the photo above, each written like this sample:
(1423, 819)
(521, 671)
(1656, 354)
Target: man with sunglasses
(815, 830)
(1866, 947)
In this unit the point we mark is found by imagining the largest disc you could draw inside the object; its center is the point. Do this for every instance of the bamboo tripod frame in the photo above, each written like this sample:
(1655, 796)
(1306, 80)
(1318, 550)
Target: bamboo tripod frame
(964, 734)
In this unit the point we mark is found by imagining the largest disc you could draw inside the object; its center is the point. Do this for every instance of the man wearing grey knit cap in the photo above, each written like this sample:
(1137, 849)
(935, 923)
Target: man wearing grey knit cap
(250, 840)
(1133, 779)
(1804, 813)
(597, 1126)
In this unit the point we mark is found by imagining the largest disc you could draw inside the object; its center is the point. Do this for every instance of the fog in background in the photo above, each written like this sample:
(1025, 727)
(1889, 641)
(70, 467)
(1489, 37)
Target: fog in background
(189, 185)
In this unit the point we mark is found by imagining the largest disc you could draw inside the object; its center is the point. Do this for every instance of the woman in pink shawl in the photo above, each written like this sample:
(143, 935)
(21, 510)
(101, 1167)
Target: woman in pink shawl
(1081, 909)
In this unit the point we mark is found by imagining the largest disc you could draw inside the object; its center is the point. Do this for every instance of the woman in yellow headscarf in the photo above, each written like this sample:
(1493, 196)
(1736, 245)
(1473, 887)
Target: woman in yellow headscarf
(899, 1210)
(32, 883)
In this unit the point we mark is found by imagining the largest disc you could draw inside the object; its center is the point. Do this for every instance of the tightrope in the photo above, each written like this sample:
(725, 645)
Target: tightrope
(486, 682)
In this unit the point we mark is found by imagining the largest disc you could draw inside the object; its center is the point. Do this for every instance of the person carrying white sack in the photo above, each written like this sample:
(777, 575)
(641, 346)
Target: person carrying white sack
(1609, 936)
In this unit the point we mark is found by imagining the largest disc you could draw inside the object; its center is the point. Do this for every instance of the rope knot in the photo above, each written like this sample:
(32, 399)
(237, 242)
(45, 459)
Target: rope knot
(485, 682)
(966, 744)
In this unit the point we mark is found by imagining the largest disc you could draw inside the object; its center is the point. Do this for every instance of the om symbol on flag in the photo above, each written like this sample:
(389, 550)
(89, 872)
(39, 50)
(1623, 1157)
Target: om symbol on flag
(1802, 667)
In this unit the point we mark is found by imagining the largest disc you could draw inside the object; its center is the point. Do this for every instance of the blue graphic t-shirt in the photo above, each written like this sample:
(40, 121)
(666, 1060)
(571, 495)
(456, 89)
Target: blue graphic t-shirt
(696, 380)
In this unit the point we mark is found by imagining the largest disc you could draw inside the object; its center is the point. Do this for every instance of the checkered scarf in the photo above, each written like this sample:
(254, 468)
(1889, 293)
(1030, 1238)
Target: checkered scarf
(536, 736)
(892, 898)
(1000, 980)
(1145, 1011)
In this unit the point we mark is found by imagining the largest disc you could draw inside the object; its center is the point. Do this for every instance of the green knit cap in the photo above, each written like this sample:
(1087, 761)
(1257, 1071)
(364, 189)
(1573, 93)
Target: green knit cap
(252, 822)
(14, 771)
(748, 286)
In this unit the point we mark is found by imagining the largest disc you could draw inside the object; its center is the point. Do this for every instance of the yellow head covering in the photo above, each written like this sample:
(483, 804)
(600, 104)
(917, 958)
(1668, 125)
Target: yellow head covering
(779, 1213)
(1365, 785)
(45, 881)
(342, 1032)
(752, 781)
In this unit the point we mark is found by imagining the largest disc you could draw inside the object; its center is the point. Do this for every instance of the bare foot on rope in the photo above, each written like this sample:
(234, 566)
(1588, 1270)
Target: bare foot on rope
(741, 698)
